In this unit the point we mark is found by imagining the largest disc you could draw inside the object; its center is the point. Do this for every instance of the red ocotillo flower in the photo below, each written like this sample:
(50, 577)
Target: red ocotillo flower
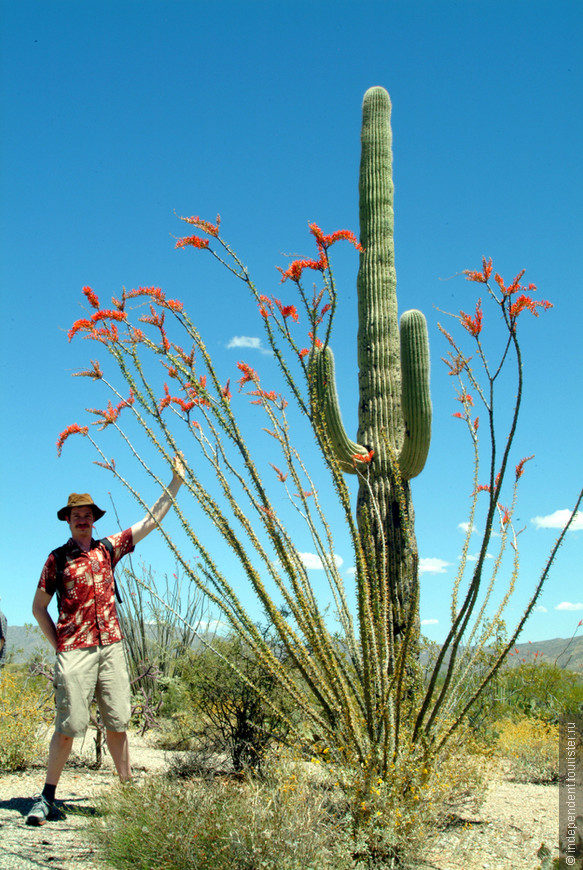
(249, 374)
(73, 429)
(473, 324)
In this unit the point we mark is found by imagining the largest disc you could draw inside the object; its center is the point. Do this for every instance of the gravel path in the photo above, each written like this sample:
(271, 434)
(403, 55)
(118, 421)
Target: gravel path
(66, 844)
(504, 835)
(62, 845)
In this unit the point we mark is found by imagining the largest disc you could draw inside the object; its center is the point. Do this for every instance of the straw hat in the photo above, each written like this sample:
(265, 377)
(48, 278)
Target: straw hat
(80, 499)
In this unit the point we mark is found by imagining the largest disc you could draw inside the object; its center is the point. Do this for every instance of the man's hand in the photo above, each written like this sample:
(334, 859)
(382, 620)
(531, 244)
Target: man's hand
(178, 467)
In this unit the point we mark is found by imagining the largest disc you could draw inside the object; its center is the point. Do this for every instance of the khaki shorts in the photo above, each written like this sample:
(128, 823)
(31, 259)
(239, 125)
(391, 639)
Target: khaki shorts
(82, 673)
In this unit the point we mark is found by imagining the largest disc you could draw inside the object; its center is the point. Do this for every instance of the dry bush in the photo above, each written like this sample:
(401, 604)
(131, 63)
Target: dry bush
(278, 822)
(25, 710)
(530, 747)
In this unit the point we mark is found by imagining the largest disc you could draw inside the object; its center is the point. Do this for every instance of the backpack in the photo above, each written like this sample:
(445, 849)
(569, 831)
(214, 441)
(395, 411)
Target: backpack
(61, 560)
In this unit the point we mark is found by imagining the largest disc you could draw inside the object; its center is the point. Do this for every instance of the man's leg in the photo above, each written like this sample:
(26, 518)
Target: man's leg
(114, 699)
(59, 751)
(75, 678)
(118, 745)
(44, 808)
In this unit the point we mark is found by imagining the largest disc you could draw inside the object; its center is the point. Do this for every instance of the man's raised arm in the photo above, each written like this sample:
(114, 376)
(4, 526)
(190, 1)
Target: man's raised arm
(162, 506)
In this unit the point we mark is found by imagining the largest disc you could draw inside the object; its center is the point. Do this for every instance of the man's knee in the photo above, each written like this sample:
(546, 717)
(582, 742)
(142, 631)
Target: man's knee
(72, 721)
(60, 737)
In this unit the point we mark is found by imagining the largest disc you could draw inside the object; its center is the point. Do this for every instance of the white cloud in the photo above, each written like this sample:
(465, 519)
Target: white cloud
(540, 609)
(314, 563)
(558, 520)
(247, 341)
(465, 526)
(429, 621)
(567, 605)
(433, 566)
(472, 558)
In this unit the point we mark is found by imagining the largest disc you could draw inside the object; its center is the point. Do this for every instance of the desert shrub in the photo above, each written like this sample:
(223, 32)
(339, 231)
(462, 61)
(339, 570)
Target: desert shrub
(536, 689)
(298, 816)
(280, 822)
(236, 707)
(177, 722)
(396, 816)
(532, 689)
(25, 709)
(530, 747)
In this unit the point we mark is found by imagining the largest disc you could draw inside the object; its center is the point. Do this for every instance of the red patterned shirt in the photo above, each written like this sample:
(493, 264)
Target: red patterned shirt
(87, 614)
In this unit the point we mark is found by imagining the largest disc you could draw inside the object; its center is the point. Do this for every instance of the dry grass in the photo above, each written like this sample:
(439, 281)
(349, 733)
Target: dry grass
(25, 709)
(530, 748)
(282, 823)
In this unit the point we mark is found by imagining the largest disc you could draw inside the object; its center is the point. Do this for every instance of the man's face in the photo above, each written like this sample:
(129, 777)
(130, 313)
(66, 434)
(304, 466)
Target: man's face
(81, 521)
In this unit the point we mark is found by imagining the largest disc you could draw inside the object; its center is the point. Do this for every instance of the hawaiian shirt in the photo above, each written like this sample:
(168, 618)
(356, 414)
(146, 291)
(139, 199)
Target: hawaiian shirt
(87, 614)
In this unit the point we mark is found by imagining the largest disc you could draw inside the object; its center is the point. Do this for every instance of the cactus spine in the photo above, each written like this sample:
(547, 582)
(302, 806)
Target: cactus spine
(394, 417)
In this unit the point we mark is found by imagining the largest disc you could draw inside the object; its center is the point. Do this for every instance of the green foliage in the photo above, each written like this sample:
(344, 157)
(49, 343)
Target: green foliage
(534, 689)
(25, 710)
(519, 712)
(297, 816)
(237, 707)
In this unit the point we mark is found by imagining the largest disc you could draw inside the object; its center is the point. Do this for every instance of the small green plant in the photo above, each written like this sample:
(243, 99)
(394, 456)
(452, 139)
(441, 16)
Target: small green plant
(25, 710)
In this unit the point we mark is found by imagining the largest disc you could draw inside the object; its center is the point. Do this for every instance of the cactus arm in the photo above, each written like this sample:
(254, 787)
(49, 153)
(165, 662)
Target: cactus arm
(394, 403)
(415, 398)
(322, 364)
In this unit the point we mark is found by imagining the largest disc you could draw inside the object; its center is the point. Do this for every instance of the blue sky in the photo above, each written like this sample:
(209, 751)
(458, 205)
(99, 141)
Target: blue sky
(119, 116)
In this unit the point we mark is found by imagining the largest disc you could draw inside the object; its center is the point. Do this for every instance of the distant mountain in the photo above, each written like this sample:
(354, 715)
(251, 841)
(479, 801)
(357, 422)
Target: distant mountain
(566, 654)
(25, 641)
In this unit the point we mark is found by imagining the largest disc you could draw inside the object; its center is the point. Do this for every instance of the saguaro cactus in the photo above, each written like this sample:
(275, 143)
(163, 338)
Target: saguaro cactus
(394, 406)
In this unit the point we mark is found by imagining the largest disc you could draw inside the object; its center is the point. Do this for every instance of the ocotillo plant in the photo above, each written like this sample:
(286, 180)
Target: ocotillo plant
(355, 698)
(394, 411)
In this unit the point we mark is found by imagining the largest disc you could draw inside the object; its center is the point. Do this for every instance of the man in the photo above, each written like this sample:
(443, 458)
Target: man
(3, 631)
(87, 638)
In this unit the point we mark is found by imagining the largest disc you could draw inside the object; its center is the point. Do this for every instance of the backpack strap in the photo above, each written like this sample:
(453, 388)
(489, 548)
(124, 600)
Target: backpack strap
(109, 547)
(61, 564)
